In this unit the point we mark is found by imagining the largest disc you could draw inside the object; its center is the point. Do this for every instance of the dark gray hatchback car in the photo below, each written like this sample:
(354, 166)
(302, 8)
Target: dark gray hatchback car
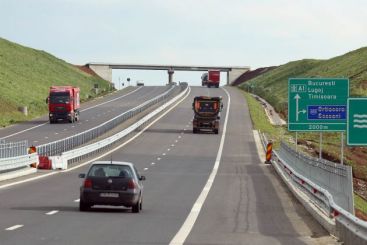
(112, 183)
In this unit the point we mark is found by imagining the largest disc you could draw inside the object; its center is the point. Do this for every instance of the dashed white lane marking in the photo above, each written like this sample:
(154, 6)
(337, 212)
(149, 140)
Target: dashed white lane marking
(172, 145)
(168, 149)
(56, 133)
(65, 129)
(179, 136)
(77, 200)
(184, 130)
(46, 137)
(52, 212)
(145, 169)
(153, 163)
(87, 120)
(35, 141)
(176, 141)
(14, 227)
(158, 158)
(163, 154)
(73, 126)
(187, 226)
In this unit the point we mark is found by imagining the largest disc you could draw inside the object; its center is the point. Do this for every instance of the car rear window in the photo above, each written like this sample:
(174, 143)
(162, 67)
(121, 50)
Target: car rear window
(103, 170)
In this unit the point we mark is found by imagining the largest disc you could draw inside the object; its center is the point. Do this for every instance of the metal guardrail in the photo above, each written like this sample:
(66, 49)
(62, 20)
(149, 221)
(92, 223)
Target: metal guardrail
(59, 146)
(14, 163)
(349, 228)
(13, 149)
(94, 148)
(337, 179)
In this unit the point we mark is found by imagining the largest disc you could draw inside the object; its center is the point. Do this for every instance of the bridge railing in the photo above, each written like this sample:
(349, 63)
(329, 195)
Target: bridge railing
(59, 146)
(296, 172)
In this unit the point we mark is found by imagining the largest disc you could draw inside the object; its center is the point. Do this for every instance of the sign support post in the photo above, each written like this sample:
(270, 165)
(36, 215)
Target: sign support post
(320, 153)
(342, 151)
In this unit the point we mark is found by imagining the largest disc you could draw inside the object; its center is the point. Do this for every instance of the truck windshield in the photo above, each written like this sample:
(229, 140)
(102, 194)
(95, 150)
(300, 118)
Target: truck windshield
(207, 106)
(59, 98)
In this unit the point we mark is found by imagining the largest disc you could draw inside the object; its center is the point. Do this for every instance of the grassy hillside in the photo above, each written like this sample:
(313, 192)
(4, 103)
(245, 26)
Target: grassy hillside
(26, 75)
(273, 84)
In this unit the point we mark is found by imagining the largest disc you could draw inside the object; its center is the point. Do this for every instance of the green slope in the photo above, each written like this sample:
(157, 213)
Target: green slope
(26, 75)
(273, 84)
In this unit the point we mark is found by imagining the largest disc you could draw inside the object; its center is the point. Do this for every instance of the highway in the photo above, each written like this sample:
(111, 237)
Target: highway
(93, 113)
(200, 189)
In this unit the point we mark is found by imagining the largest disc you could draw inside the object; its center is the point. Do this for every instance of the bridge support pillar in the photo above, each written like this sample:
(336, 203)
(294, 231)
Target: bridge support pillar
(170, 75)
(235, 73)
(103, 71)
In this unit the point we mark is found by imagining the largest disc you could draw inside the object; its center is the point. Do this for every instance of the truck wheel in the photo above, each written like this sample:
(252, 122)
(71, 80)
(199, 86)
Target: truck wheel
(194, 130)
(216, 131)
(217, 86)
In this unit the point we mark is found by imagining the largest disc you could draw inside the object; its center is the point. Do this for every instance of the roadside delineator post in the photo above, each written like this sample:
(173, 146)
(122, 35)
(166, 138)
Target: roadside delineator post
(269, 151)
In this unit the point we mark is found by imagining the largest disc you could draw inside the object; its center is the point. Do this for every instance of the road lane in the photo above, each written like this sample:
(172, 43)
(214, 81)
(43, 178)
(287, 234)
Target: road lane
(246, 205)
(172, 186)
(91, 116)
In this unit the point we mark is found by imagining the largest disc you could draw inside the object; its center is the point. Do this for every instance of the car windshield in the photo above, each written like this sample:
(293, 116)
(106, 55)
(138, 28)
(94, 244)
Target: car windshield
(110, 170)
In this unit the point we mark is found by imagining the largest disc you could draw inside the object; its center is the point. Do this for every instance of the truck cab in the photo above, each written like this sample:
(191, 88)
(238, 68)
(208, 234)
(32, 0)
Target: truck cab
(63, 103)
(206, 114)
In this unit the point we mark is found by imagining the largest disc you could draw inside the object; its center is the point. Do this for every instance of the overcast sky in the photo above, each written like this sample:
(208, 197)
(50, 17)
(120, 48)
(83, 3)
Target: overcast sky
(252, 33)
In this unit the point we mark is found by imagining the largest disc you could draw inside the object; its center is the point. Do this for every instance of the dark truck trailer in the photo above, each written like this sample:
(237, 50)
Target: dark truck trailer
(206, 114)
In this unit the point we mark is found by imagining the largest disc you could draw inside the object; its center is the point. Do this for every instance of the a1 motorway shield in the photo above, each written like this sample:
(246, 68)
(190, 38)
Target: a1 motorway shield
(317, 104)
(357, 122)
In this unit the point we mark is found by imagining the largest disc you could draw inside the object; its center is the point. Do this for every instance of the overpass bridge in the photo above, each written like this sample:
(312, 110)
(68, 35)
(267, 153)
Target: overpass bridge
(104, 70)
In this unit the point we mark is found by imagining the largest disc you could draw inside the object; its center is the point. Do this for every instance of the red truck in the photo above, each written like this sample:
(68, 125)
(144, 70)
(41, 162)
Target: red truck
(213, 78)
(63, 103)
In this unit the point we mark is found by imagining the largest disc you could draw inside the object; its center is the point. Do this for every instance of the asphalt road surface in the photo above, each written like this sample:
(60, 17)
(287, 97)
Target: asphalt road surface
(40, 131)
(246, 204)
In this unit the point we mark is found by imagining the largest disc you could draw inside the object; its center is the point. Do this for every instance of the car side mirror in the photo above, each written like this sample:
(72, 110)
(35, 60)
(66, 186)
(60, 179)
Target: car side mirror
(82, 176)
(142, 178)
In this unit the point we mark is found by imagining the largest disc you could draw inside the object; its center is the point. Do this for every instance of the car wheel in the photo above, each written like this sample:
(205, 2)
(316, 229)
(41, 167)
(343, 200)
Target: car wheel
(83, 206)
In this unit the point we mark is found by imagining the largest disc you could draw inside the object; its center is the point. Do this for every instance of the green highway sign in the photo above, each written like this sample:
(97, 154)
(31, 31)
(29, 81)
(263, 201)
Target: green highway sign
(317, 104)
(357, 122)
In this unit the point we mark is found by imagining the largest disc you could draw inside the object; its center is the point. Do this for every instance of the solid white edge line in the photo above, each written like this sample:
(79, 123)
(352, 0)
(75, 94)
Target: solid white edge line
(14, 227)
(25, 130)
(52, 212)
(187, 226)
(83, 164)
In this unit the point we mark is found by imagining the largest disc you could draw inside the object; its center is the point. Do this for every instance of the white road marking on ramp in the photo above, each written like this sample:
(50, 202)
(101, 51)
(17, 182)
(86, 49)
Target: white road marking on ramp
(14, 227)
(187, 226)
(153, 163)
(145, 169)
(77, 200)
(158, 158)
(52, 212)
